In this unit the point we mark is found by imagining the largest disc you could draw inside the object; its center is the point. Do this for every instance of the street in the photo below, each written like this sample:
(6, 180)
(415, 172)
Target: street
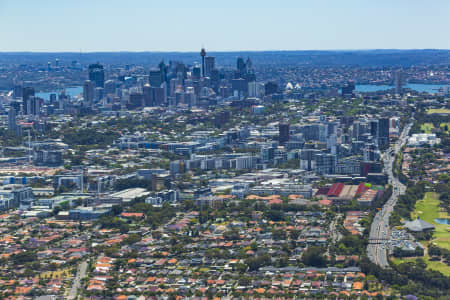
(81, 273)
(380, 230)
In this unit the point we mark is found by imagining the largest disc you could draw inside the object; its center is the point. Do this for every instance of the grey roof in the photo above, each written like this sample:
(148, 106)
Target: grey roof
(418, 225)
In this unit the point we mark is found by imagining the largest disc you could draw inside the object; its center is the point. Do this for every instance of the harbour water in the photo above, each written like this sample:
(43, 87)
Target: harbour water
(429, 88)
(71, 91)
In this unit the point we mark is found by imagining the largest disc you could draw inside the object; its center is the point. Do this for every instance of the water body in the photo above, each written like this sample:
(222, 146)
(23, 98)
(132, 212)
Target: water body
(429, 88)
(442, 221)
(71, 91)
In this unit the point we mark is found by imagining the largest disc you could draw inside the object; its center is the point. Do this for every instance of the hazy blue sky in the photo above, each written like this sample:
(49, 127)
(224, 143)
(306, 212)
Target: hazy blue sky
(186, 25)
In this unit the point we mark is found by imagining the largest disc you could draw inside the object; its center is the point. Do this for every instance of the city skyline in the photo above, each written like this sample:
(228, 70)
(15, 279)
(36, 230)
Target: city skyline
(141, 26)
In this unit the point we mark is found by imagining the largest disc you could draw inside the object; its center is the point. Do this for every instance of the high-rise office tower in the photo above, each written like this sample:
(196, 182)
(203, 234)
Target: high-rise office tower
(398, 82)
(110, 87)
(241, 66)
(27, 92)
(148, 95)
(267, 154)
(370, 152)
(249, 64)
(325, 163)
(196, 73)
(33, 106)
(180, 68)
(203, 54)
(209, 65)
(53, 98)
(163, 69)
(155, 78)
(18, 89)
(383, 133)
(190, 97)
(255, 89)
(97, 75)
(159, 96)
(239, 86)
(88, 92)
(12, 124)
(136, 100)
(270, 88)
(283, 129)
(99, 93)
(173, 85)
(374, 128)
(215, 79)
(307, 159)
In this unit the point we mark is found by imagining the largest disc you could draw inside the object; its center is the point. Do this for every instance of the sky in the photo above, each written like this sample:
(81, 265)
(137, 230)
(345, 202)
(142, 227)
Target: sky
(225, 25)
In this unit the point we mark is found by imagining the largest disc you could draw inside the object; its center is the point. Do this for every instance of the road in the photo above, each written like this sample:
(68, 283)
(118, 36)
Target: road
(81, 273)
(380, 230)
(334, 232)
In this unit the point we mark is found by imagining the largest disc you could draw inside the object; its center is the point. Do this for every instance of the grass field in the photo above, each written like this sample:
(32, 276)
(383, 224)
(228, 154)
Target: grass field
(432, 265)
(61, 274)
(428, 209)
(438, 111)
(427, 127)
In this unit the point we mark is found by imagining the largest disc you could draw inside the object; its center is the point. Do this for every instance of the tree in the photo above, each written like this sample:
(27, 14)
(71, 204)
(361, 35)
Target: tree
(313, 256)
(132, 239)
(124, 228)
(24, 257)
(278, 234)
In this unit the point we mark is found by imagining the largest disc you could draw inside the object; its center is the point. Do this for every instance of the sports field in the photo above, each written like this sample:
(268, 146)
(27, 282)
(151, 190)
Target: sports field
(428, 210)
(438, 111)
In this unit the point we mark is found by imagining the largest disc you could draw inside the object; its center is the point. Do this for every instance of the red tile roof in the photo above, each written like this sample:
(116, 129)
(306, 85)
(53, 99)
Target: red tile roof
(335, 190)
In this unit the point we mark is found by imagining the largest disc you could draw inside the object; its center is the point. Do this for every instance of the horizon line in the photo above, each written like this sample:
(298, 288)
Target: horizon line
(223, 51)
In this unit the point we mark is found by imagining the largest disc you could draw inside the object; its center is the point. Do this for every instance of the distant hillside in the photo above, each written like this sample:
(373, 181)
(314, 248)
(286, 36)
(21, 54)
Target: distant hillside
(373, 58)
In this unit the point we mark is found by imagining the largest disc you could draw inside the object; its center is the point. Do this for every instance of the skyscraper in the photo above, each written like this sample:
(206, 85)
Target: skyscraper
(88, 92)
(110, 87)
(203, 54)
(270, 88)
(249, 64)
(196, 73)
(32, 106)
(374, 128)
(240, 64)
(148, 95)
(27, 92)
(12, 124)
(18, 89)
(383, 133)
(209, 65)
(136, 100)
(283, 129)
(163, 69)
(155, 78)
(325, 163)
(97, 75)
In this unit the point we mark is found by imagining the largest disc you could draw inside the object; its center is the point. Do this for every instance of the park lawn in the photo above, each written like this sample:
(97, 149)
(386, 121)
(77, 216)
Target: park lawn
(426, 127)
(438, 111)
(398, 260)
(431, 265)
(428, 209)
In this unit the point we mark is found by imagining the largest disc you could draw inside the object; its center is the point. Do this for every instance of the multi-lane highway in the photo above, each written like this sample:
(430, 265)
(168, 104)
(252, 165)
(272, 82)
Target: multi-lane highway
(379, 230)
